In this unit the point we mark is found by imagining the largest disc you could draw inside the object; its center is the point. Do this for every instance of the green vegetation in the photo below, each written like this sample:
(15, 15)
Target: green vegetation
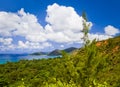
(59, 52)
(97, 65)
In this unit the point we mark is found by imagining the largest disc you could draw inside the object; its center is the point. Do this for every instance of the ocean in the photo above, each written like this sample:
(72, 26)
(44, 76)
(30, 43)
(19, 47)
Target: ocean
(4, 58)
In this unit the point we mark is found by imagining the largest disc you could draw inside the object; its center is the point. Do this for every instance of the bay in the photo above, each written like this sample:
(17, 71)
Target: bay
(4, 58)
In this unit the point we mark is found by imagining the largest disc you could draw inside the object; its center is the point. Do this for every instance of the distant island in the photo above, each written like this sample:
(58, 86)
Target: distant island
(55, 52)
(40, 53)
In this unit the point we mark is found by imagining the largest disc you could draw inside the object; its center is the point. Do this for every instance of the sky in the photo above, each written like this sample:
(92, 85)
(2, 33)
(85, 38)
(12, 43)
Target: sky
(28, 26)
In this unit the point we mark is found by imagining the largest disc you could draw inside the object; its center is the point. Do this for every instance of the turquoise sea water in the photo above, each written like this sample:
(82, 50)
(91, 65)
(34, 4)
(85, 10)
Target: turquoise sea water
(4, 58)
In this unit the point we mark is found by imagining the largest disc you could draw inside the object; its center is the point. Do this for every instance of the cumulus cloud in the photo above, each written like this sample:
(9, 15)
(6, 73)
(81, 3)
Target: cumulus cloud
(63, 18)
(6, 26)
(63, 26)
(21, 44)
(32, 45)
(6, 41)
(21, 24)
(110, 30)
(98, 37)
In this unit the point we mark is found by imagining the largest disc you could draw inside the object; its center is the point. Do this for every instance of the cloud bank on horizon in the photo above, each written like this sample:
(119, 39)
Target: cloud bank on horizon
(63, 26)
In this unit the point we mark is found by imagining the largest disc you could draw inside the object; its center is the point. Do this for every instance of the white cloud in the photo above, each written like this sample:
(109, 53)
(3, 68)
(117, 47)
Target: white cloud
(32, 45)
(36, 37)
(98, 37)
(8, 22)
(21, 44)
(21, 12)
(25, 25)
(9, 47)
(63, 18)
(21, 24)
(6, 41)
(63, 26)
(110, 30)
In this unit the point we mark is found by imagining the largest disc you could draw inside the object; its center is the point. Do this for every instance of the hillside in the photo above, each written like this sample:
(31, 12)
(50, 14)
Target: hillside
(71, 49)
(55, 52)
(96, 65)
(59, 52)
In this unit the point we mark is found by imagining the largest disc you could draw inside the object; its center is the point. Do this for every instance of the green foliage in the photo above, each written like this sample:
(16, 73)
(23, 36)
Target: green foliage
(85, 29)
(100, 85)
(60, 84)
(84, 16)
(91, 66)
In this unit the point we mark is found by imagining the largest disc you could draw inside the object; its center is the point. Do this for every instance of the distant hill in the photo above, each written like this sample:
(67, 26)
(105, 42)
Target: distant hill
(68, 50)
(55, 52)
(59, 52)
(39, 53)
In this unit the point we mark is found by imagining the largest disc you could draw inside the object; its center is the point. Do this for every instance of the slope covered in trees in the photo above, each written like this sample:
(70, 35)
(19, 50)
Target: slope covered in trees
(55, 52)
(95, 65)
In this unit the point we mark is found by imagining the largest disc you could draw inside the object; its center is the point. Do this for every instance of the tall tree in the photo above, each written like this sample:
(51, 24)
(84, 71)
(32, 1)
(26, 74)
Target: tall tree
(86, 27)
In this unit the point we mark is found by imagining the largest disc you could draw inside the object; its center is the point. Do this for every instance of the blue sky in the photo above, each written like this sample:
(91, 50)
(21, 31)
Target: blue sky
(15, 17)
